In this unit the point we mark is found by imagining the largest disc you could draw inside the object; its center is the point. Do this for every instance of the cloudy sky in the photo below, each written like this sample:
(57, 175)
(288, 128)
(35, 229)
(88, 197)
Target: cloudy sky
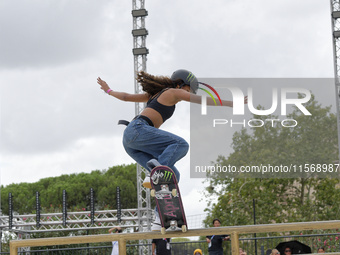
(54, 118)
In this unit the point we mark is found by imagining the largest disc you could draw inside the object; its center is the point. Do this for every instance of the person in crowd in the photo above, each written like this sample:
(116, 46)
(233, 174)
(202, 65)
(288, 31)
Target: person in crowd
(198, 252)
(242, 252)
(321, 250)
(288, 250)
(115, 247)
(275, 252)
(161, 246)
(215, 242)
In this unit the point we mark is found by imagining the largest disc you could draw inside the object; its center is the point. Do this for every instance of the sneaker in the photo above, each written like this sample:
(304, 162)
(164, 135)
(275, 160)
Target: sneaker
(151, 164)
(147, 182)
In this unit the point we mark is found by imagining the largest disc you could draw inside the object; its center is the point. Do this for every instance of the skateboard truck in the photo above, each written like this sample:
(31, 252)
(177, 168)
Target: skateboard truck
(173, 225)
(164, 190)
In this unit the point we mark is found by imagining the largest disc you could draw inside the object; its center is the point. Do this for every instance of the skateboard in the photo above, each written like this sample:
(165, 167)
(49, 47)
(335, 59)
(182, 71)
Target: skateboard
(168, 199)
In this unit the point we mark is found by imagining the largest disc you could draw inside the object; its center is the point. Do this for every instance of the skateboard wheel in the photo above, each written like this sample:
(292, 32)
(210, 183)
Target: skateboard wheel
(184, 228)
(163, 230)
(153, 193)
(174, 192)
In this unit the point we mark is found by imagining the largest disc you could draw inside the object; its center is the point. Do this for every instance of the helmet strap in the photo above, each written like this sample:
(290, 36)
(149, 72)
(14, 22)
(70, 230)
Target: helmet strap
(182, 85)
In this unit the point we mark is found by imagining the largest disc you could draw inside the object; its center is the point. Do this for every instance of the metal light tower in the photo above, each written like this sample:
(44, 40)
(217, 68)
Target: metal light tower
(335, 11)
(140, 56)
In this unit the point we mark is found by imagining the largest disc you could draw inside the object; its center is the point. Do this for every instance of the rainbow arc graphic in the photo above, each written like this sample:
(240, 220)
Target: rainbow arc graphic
(209, 93)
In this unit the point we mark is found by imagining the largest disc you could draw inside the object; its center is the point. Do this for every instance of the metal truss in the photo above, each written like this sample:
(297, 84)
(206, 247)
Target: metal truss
(24, 225)
(140, 52)
(335, 11)
(75, 221)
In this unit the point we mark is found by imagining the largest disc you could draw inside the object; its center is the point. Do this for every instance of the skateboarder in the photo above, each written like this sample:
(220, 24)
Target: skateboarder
(142, 139)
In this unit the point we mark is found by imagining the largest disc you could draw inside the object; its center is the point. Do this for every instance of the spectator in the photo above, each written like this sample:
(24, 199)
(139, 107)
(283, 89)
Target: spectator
(215, 241)
(198, 252)
(115, 247)
(321, 250)
(287, 251)
(242, 252)
(275, 252)
(161, 246)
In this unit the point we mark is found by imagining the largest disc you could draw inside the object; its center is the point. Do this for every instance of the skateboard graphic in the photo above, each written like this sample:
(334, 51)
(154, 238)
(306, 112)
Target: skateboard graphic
(168, 199)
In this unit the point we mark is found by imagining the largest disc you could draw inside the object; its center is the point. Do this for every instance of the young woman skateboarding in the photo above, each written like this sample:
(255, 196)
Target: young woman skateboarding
(142, 139)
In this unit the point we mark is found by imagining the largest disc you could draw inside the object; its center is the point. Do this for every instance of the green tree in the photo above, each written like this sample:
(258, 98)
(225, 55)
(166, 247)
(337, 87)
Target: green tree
(77, 186)
(302, 198)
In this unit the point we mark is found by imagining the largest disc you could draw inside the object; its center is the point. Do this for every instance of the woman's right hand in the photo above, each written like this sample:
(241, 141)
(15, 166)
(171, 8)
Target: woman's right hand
(103, 84)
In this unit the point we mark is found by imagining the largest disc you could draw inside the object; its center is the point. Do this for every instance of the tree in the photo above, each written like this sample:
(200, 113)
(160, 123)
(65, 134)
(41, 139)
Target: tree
(77, 186)
(305, 197)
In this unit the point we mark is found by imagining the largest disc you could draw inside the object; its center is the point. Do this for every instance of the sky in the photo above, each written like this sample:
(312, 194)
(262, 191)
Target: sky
(56, 120)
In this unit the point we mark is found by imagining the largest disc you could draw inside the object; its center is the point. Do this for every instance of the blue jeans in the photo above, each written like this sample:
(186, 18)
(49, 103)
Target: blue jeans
(144, 142)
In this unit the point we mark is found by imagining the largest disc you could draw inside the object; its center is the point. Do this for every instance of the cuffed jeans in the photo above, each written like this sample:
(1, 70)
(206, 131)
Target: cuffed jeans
(144, 142)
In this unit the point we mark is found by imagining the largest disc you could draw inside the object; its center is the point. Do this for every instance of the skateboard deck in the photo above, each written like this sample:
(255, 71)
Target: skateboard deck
(168, 199)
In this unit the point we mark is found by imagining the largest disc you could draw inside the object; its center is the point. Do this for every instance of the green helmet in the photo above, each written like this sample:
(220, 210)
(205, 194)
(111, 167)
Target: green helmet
(187, 77)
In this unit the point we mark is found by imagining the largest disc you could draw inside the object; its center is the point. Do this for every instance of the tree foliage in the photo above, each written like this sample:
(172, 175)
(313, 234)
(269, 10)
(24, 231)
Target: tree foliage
(303, 198)
(77, 186)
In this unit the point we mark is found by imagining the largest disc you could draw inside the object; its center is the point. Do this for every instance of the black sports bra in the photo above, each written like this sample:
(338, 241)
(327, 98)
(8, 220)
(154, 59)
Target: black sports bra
(165, 111)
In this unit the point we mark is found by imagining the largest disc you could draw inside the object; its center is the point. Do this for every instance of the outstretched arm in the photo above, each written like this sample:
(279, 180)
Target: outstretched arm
(181, 94)
(122, 95)
(198, 100)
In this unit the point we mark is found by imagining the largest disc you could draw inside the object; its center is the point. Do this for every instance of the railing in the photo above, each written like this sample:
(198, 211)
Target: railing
(314, 241)
(122, 238)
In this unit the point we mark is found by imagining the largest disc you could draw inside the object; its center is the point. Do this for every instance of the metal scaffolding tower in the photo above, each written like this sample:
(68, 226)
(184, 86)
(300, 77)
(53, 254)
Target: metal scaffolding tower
(140, 52)
(335, 11)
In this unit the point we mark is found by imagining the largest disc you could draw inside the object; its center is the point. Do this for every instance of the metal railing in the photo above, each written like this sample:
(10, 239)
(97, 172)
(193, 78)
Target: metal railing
(234, 232)
(315, 241)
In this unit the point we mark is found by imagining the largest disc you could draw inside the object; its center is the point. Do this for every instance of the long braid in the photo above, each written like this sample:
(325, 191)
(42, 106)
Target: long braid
(152, 84)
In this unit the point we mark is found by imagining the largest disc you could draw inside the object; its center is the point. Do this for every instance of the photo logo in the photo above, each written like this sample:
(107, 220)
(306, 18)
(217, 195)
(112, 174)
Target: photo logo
(238, 100)
(278, 98)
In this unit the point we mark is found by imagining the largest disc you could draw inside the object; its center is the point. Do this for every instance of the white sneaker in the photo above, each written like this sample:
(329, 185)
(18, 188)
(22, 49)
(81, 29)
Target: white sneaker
(147, 182)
